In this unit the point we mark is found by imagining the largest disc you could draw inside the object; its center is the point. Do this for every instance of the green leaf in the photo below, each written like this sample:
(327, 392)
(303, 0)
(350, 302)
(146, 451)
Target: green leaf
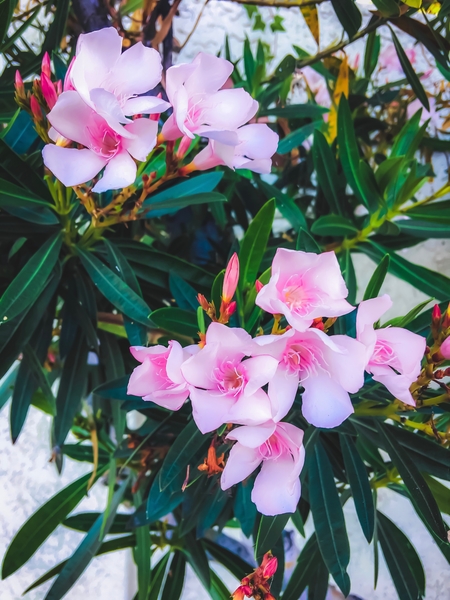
(171, 205)
(402, 560)
(359, 483)
(350, 159)
(334, 225)
(376, 281)
(176, 320)
(348, 15)
(269, 531)
(326, 168)
(348, 273)
(115, 289)
(25, 205)
(388, 171)
(296, 111)
(187, 445)
(30, 281)
(406, 138)
(424, 229)
(83, 453)
(184, 294)
(440, 492)
(429, 282)
(285, 204)
(372, 53)
(244, 508)
(158, 572)
(249, 64)
(307, 243)
(297, 137)
(305, 566)
(328, 517)
(43, 522)
(6, 12)
(12, 165)
(438, 212)
(388, 8)
(420, 494)
(408, 69)
(71, 390)
(200, 184)
(234, 563)
(175, 577)
(142, 555)
(410, 316)
(196, 556)
(84, 521)
(119, 543)
(218, 591)
(85, 552)
(254, 244)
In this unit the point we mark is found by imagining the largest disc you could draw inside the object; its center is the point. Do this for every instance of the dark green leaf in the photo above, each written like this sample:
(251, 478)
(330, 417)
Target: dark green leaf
(297, 137)
(249, 63)
(406, 138)
(175, 577)
(334, 225)
(176, 320)
(185, 447)
(348, 273)
(115, 289)
(286, 205)
(373, 46)
(71, 390)
(84, 453)
(13, 166)
(305, 566)
(234, 563)
(244, 508)
(348, 15)
(328, 517)
(42, 523)
(359, 483)
(171, 205)
(269, 531)
(326, 168)
(388, 8)
(218, 591)
(402, 560)
(184, 294)
(86, 551)
(377, 279)
(158, 572)
(196, 555)
(29, 283)
(296, 111)
(420, 494)
(254, 244)
(424, 229)
(200, 184)
(84, 521)
(408, 69)
(307, 243)
(6, 12)
(25, 205)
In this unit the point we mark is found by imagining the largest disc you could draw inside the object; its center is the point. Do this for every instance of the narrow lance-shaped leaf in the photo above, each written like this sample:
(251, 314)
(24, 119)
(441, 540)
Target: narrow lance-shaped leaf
(254, 243)
(43, 522)
(269, 532)
(411, 75)
(175, 577)
(327, 174)
(348, 15)
(30, 281)
(377, 279)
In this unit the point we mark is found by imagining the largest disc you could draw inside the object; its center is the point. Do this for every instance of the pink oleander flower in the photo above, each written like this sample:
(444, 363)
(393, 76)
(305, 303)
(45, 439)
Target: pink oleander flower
(304, 286)
(48, 90)
(111, 82)
(328, 368)
(74, 120)
(445, 348)
(393, 354)
(225, 385)
(200, 107)
(279, 447)
(256, 144)
(159, 379)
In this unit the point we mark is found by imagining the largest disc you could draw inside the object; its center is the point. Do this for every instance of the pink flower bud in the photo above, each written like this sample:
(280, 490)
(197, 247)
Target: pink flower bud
(269, 566)
(203, 302)
(436, 314)
(58, 87)
(242, 592)
(48, 91)
(259, 286)
(231, 279)
(67, 79)
(35, 108)
(184, 146)
(46, 66)
(18, 83)
(445, 348)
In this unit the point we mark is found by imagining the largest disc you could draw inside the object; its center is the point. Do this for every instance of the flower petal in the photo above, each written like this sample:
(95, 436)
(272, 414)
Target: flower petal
(120, 172)
(72, 166)
(250, 410)
(210, 409)
(282, 391)
(325, 402)
(228, 109)
(369, 312)
(257, 141)
(252, 437)
(145, 105)
(259, 371)
(145, 132)
(71, 117)
(108, 107)
(276, 490)
(241, 463)
(210, 74)
(137, 70)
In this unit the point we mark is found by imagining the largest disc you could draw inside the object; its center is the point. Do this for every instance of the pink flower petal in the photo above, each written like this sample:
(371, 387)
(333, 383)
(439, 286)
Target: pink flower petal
(282, 391)
(145, 105)
(137, 70)
(210, 409)
(250, 410)
(369, 312)
(252, 437)
(325, 403)
(241, 463)
(72, 166)
(71, 116)
(145, 132)
(120, 172)
(228, 109)
(209, 75)
(257, 141)
(259, 371)
(276, 490)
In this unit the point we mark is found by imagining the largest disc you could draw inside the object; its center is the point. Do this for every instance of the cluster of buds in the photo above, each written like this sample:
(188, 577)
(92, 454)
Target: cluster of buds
(227, 305)
(42, 98)
(257, 584)
(440, 328)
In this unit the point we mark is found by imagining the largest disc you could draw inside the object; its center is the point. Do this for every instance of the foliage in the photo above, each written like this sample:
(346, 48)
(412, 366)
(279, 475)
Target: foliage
(79, 287)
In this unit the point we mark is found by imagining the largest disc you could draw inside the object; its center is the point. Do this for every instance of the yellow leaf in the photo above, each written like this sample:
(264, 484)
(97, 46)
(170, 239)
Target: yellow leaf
(434, 8)
(413, 3)
(341, 87)
(311, 16)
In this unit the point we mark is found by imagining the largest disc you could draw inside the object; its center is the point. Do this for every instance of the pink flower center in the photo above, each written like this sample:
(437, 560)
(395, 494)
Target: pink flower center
(275, 447)
(104, 141)
(383, 354)
(299, 297)
(302, 360)
(194, 113)
(231, 378)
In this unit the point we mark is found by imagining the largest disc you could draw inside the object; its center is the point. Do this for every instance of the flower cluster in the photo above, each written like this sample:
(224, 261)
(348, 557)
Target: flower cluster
(104, 116)
(232, 378)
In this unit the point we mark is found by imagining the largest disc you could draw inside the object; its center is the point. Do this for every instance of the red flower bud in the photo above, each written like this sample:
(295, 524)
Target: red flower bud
(259, 286)
(183, 147)
(46, 67)
(203, 302)
(18, 83)
(436, 314)
(242, 592)
(231, 279)
(269, 566)
(48, 91)
(36, 110)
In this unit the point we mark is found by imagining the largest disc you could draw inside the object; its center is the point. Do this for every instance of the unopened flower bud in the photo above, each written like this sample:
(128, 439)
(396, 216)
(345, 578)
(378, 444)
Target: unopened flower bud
(68, 86)
(436, 314)
(203, 302)
(269, 596)
(269, 566)
(231, 309)
(46, 67)
(242, 592)
(258, 286)
(231, 279)
(439, 374)
(446, 321)
(36, 110)
(445, 348)
(183, 146)
(18, 84)
(48, 91)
